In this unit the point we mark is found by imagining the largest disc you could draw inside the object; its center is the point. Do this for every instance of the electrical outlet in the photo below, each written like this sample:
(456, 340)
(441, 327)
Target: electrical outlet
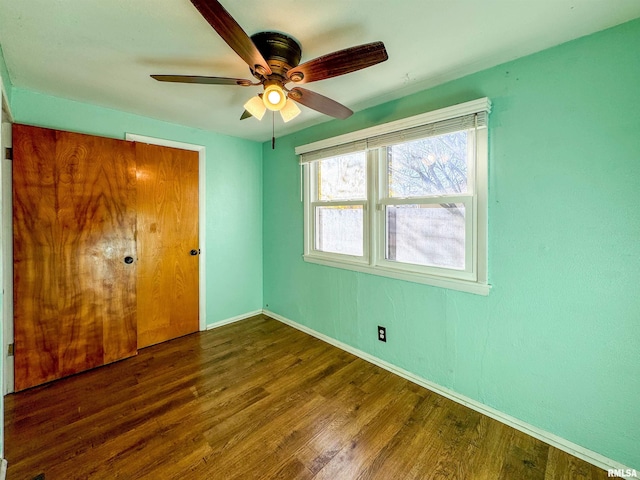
(382, 334)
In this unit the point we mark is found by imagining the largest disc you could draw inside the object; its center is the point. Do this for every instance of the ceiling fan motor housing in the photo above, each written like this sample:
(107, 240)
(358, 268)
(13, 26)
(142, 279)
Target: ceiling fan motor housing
(281, 52)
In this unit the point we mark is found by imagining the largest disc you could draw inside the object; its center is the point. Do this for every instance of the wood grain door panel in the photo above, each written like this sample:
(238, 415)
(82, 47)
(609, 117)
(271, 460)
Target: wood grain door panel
(74, 222)
(168, 275)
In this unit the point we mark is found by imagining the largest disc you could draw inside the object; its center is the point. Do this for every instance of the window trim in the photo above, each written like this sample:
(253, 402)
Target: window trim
(374, 262)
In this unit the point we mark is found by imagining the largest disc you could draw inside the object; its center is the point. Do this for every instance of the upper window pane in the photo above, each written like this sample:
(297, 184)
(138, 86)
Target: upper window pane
(343, 177)
(429, 166)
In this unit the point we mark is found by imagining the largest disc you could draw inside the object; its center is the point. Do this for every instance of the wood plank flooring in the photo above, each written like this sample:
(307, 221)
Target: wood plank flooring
(260, 400)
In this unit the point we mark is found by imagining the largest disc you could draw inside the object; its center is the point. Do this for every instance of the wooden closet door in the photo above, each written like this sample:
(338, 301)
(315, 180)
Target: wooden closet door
(74, 220)
(168, 262)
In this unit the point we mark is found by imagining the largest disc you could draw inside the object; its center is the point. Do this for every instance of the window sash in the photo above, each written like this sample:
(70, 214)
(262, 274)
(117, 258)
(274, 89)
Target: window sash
(467, 273)
(365, 228)
(319, 172)
(471, 166)
(467, 199)
(374, 226)
(312, 201)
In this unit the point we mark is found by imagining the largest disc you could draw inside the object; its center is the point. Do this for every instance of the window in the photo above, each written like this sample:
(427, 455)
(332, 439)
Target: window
(340, 195)
(405, 199)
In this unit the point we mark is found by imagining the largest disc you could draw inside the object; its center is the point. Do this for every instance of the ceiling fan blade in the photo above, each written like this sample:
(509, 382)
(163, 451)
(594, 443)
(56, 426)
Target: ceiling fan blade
(338, 63)
(203, 80)
(245, 115)
(232, 33)
(320, 103)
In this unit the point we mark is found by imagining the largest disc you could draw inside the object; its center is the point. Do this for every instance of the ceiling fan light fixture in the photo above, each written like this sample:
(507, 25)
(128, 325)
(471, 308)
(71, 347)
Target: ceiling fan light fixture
(274, 97)
(289, 111)
(256, 107)
(274, 60)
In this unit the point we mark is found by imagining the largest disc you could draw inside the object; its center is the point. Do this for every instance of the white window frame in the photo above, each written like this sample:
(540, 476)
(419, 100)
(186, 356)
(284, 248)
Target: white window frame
(474, 277)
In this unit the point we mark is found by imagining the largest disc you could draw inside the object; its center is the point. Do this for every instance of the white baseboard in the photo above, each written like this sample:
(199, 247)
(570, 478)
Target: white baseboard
(585, 454)
(3, 469)
(237, 318)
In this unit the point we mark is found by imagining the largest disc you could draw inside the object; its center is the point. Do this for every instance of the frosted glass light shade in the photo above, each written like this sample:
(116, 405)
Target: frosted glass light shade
(289, 111)
(255, 106)
(274, 97)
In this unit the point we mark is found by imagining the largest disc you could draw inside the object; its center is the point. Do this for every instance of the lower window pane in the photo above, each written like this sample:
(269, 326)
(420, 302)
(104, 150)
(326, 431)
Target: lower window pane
(432, 235)
(340, 230)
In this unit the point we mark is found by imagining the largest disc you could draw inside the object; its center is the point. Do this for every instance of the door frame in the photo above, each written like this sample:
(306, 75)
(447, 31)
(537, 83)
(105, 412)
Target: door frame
(6, 265)
(133, 137)
(6, 253)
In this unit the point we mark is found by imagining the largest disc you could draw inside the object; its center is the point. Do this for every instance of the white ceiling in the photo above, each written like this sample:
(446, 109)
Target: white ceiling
(103, 51)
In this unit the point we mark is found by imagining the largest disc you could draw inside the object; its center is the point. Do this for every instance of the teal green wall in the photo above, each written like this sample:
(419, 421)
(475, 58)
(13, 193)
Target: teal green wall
(233, 176)
(555, 343)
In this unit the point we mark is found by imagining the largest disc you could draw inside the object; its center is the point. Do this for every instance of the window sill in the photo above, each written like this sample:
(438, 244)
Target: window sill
(442, 282)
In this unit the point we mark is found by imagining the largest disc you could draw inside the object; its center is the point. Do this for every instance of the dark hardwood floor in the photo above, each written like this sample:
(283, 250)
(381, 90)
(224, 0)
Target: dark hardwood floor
(259, 399)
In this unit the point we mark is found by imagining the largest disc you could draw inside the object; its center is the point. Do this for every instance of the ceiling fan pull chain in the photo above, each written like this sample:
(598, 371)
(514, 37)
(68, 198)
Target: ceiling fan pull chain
(273, 130)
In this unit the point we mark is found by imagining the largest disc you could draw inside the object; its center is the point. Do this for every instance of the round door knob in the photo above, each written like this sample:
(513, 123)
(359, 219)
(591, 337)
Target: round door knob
(193, 252)
(128, 260)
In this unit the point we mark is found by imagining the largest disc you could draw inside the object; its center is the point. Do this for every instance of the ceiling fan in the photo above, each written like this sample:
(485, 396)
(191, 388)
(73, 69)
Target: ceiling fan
(273, 59)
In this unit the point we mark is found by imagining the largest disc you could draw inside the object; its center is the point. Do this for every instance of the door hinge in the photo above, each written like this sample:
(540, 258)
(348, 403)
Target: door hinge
(10, 350)
(8, 153)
